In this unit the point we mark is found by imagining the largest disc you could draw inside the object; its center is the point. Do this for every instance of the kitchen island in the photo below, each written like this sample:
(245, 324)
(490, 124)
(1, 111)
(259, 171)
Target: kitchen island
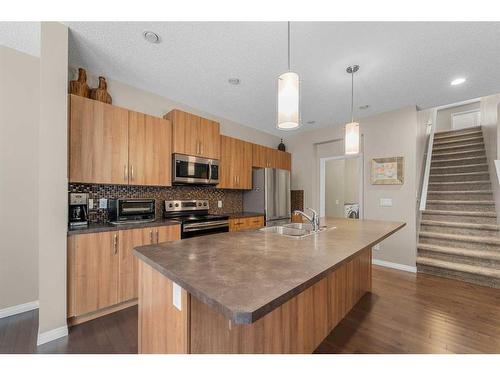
(254, 291)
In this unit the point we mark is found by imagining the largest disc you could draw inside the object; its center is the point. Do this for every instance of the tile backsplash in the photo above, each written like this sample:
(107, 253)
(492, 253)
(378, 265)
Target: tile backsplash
(232, 200)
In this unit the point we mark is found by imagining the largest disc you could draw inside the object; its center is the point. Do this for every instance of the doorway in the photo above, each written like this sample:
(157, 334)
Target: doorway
(341, 186)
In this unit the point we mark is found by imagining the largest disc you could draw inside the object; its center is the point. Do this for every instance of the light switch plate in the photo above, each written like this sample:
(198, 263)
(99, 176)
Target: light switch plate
(219, 204)
(103, 203)
(385, 202)
(91, 204)
(177, 296)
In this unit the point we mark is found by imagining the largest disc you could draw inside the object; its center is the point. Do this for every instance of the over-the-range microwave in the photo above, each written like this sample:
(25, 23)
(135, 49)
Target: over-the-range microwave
(194, 170)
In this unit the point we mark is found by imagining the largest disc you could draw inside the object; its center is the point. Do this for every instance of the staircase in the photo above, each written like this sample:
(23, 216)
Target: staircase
(459, 236)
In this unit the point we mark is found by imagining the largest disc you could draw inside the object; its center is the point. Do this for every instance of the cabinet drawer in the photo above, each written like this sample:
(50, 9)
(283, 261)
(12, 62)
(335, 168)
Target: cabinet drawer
(246, 223)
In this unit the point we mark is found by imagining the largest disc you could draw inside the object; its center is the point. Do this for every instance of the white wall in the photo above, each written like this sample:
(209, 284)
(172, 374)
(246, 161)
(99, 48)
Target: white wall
(146, 102)
(19, 117)
(387, 134)
(52, 181)
(443, 120)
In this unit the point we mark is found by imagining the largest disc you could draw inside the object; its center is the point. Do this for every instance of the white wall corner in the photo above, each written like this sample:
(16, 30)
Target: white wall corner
(18, 309)
(52, 335)
(497, 168)
(396, 266)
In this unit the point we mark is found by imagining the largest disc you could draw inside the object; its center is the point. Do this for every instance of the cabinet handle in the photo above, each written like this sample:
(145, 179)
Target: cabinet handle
(201, 148)
(125, 172)
(157, 236)
(132, 172)
(151, 236)
(115, 243)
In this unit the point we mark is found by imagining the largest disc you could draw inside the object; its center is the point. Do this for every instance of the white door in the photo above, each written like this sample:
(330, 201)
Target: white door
(467, 119)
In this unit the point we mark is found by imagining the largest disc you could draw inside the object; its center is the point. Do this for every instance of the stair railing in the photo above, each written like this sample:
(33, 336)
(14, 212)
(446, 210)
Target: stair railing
(428, 160)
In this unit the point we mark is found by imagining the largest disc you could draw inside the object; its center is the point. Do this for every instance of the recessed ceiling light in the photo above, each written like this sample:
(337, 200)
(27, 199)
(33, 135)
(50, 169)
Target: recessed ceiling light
(234, 81)
(457, 81)
(151, 37)
(363, 107)
(311, 122)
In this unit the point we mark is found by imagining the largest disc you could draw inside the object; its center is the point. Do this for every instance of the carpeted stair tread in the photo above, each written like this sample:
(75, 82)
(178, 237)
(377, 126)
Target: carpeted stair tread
(438, 137)
(461, 213)
(460, 166)
(477, 144)
(461, 238)
(492, 227)
(458, 182)
(469, 158)
(459, 267)
(459, 192)
(446, 133)
(444, 201)
(457, 251)
(460, 174)
(446, 142)
(456, 153)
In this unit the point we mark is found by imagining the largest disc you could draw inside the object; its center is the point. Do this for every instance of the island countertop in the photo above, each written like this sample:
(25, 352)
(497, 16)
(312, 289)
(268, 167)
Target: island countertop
(245, 275)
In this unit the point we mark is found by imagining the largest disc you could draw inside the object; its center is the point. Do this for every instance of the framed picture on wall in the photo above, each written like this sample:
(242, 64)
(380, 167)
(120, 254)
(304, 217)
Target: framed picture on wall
(387, 171)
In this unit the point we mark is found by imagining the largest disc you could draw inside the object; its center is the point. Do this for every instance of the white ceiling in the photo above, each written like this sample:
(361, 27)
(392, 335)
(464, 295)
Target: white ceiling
(401, 64)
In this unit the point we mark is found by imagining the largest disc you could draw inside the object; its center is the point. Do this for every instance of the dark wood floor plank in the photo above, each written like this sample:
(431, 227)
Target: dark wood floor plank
(405, 313)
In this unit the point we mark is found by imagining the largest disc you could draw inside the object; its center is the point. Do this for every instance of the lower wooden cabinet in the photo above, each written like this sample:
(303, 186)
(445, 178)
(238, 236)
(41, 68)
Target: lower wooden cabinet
(245, 223)
(102, 271)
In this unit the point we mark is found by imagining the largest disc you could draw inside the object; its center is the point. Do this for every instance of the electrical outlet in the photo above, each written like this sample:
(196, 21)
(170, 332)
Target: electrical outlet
(91, 204)
(219, 204)
(336, 201)
(103, 203)
(376, 247)
(385, 202)
(176, 296)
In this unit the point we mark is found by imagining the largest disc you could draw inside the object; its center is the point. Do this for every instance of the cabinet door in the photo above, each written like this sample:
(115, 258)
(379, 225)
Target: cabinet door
(149, 150)
(95, 279)
(227, 164)
(98, 142)
(259, 156)
(185, 128)
(168, 233)
(128, 267)
(243, 157)
(209, 139)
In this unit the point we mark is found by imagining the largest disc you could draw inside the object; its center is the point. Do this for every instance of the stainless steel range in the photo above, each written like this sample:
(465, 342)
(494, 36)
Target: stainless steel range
(194, 218)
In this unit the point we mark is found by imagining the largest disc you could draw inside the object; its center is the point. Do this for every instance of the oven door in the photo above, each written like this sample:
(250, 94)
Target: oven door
(192, 170)
(204, 228)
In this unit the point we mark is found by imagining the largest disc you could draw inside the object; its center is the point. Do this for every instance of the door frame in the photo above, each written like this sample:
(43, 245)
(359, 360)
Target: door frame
(322, 181)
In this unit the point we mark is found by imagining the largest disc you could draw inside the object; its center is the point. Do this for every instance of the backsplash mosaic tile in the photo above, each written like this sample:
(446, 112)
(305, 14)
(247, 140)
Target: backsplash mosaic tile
(232, 200)
(297, 200)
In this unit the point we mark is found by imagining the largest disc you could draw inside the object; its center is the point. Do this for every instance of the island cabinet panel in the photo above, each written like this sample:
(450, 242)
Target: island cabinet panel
(149, 150)
(98, 142)
(162, 327)
(297, 326)
(245, 223)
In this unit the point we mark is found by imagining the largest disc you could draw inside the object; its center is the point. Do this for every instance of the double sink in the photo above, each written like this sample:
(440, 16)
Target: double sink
(295, 230)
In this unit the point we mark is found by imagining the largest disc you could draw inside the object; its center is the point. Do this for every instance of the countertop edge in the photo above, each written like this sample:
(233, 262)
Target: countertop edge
(107, 227)
(248, 317)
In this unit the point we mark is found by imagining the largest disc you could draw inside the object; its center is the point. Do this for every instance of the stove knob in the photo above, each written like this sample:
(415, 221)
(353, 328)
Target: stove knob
(199, 204)
(177, 205)
(170, 205)
(205, 204)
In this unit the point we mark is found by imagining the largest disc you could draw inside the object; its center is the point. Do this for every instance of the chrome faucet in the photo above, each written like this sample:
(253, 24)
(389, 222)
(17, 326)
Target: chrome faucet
(313, 219)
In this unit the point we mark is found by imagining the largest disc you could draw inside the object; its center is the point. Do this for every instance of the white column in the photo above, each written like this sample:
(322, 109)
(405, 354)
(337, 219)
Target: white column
(52, 180)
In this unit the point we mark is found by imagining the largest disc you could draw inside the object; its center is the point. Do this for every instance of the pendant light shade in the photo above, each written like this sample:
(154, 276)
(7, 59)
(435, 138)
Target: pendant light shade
(288, 101)
(351, 138)
(288, 97)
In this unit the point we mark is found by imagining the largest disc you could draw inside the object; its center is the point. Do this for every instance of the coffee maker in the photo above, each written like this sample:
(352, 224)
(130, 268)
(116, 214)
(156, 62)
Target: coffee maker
(78, 209)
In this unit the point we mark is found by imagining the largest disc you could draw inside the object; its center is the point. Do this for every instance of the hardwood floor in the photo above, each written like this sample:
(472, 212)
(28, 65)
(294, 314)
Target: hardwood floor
(406, 313)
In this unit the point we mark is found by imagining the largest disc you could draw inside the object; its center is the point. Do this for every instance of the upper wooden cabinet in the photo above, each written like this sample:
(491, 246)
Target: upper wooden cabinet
(150, 156)
(266, 157)
(98, 142)
(112, 145)
(235, 164)
(194, 135)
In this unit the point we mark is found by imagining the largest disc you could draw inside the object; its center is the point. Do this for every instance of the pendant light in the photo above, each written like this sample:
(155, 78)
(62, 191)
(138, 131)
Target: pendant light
(351, 138)
(288, 97)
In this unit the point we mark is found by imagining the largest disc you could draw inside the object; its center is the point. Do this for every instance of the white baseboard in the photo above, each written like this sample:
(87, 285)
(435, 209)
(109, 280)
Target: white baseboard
(51, 335)
(397, 266)
(18, 309)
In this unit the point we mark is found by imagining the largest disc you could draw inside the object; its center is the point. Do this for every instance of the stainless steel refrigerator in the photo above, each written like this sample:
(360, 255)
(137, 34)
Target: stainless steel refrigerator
(270, 195)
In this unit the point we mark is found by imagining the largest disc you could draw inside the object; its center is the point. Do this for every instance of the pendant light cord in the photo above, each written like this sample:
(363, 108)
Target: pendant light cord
(352, 96)
(289, 46)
